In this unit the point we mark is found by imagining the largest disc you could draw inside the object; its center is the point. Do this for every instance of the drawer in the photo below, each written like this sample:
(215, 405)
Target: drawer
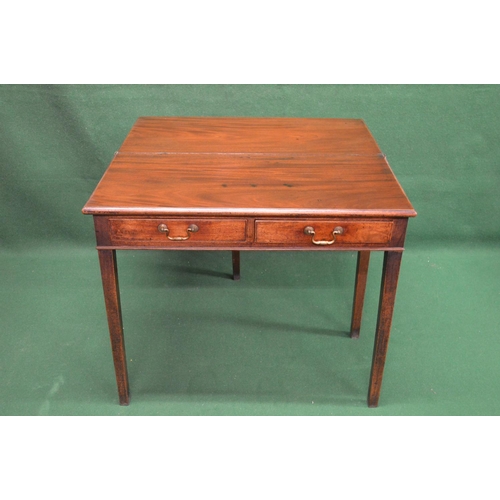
(166, 232)
(320, 233)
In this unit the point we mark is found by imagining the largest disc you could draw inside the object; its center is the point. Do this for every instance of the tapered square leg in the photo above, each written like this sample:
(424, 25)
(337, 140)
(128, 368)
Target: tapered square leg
(109, 274)
(359, 292)
(390, 274)
(236, 265)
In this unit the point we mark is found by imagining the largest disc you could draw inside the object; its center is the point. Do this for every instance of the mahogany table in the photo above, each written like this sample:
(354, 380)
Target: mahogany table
(252, 184)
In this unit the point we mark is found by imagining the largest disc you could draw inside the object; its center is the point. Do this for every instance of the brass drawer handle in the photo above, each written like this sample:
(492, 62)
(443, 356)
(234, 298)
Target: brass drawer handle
(309, 230)
(192, 228)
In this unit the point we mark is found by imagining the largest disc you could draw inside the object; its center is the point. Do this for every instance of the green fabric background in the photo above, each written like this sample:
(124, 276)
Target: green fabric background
(275, 342)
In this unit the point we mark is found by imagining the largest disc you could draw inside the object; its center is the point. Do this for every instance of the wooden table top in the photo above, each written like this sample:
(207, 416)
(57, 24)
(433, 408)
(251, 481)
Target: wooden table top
(249, 167)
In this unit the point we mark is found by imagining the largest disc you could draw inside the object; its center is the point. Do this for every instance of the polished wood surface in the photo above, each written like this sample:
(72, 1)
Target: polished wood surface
(109, 274)
(249, 135)
(291, 232)
(390, 274)
(248, 185)
(146, 231)
(247, 233)
(252, 184)
(359, 292)
(249, 166)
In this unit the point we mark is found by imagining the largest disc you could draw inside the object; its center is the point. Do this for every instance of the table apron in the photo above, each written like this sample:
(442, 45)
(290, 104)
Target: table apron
(240, 233)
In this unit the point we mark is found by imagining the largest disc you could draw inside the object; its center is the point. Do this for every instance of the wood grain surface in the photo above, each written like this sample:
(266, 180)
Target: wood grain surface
(249, 135)
(146, 231)
(249, 185)
(292, 232)
(249, 166)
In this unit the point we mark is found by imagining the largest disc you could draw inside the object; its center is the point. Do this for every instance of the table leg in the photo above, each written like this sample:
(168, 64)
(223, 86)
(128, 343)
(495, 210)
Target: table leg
(359, 292)
(236, 264)
(109, 274)
(390, 273)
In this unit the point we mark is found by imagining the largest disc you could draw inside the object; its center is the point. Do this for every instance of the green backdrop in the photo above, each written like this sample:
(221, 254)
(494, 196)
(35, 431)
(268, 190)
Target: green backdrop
(200, 343)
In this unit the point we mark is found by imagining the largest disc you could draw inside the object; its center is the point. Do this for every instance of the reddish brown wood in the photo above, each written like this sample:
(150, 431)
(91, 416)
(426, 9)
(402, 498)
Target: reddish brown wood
(109, 274)
(222, 174)
(390, 274)
(236, 265)
(249, 135)
(145, 231)
(359, 292)
(291, 232)
(399, 233)
(138, 232)
(249, 185)
(249, 166)
(254, 247)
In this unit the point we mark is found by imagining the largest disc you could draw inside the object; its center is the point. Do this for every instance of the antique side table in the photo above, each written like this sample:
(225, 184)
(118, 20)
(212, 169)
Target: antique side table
(252, 184)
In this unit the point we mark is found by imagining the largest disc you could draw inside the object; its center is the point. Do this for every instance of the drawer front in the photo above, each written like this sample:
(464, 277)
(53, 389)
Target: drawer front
(164, 232)
(322, 233)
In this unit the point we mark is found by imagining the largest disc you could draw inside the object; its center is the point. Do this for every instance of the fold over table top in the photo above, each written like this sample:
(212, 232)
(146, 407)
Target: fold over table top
(249, 167)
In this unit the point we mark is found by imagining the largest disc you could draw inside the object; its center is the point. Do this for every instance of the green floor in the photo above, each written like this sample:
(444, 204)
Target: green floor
(275, 343)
